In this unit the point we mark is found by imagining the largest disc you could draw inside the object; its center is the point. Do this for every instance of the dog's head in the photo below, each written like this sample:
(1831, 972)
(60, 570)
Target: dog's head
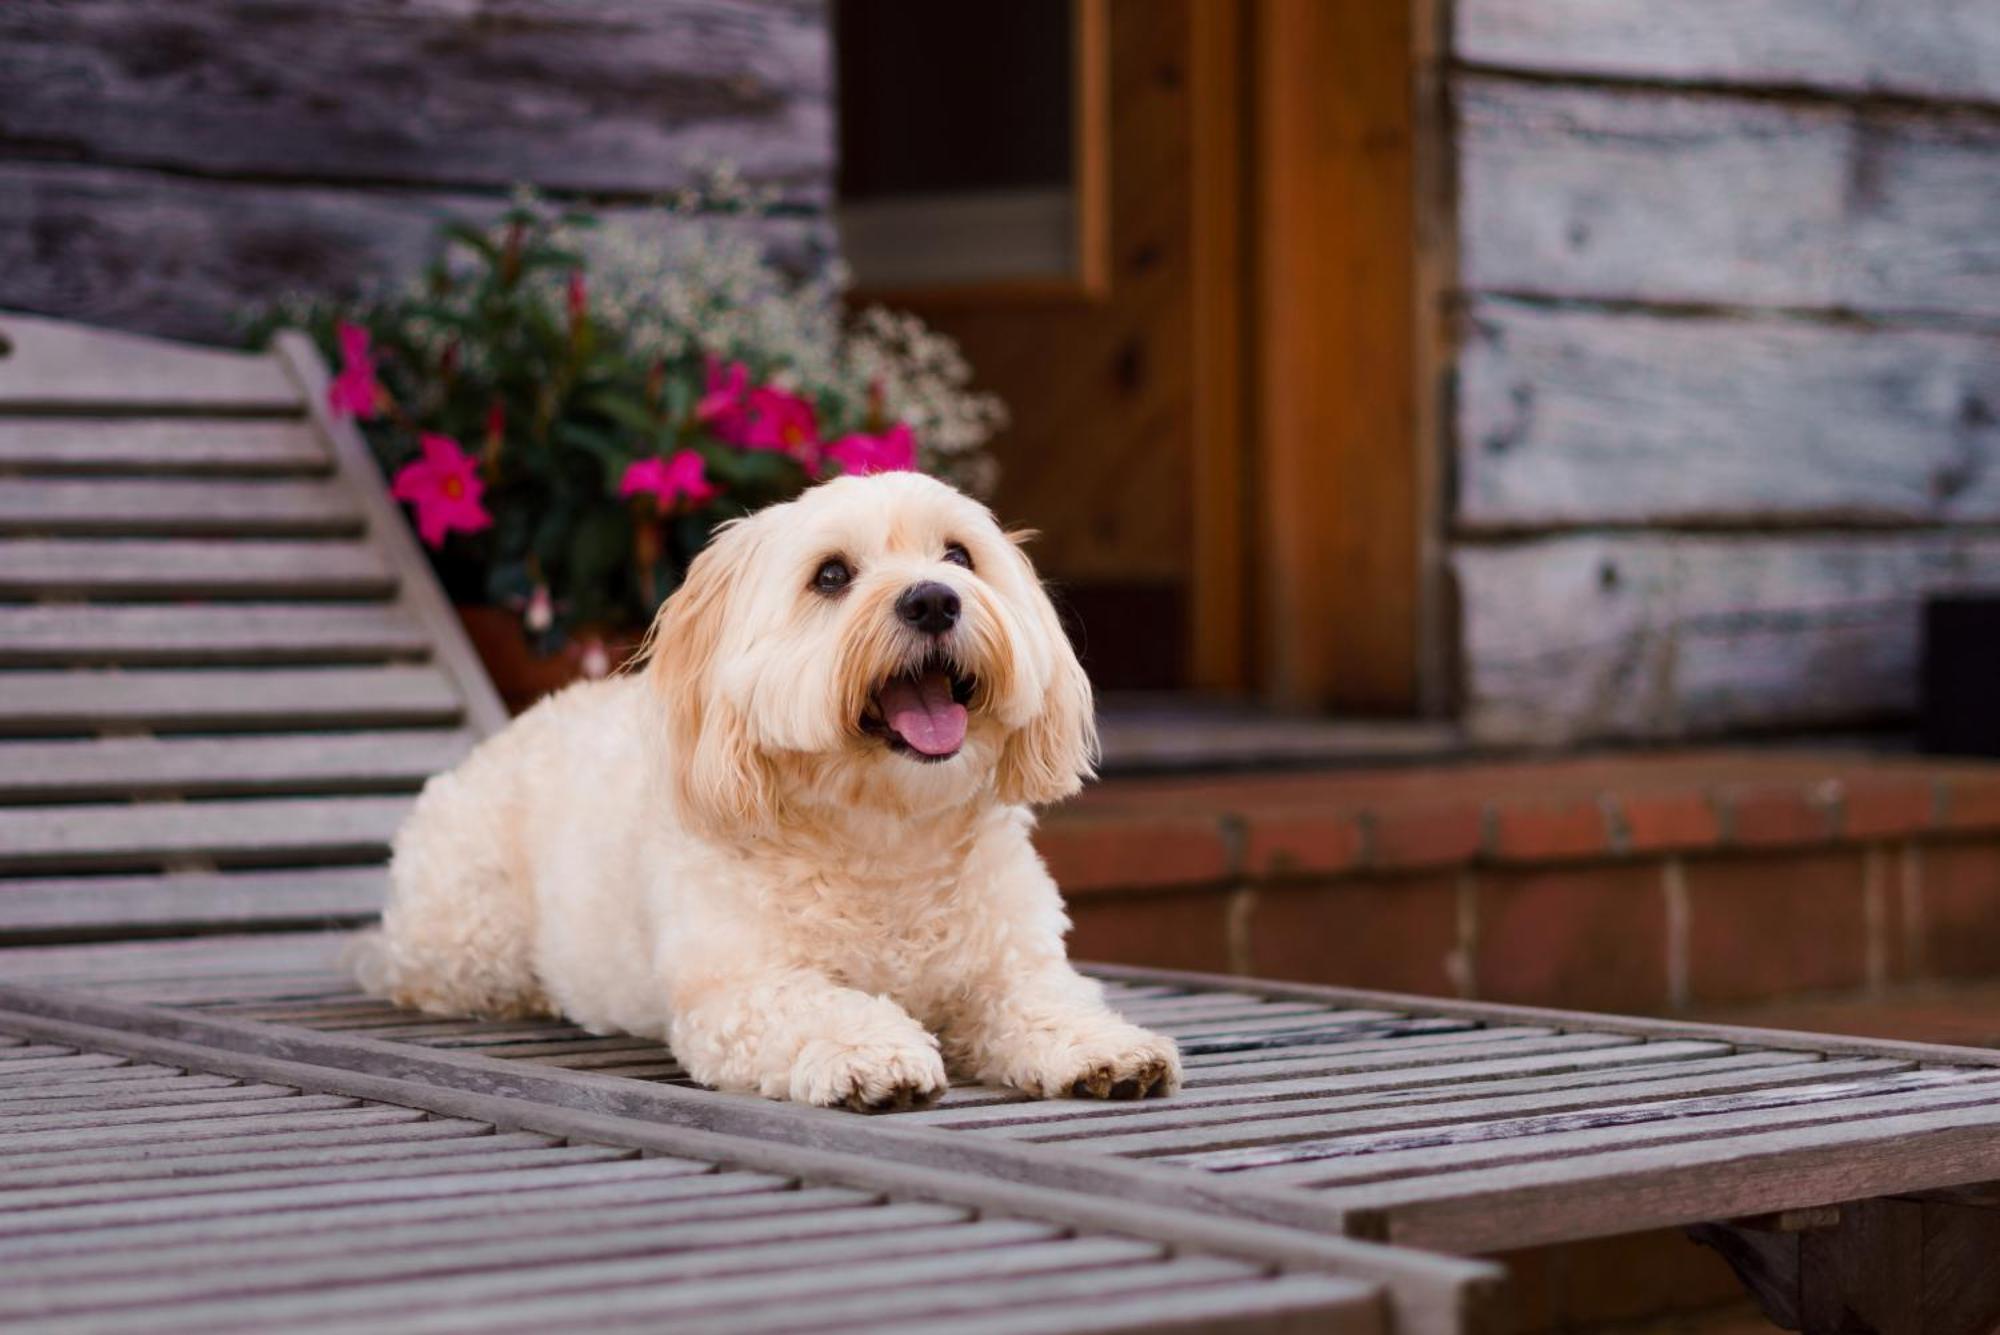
(878, 642)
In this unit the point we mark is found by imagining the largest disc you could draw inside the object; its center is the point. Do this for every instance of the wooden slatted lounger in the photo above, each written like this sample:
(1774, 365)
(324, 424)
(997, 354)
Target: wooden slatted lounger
(152, 1186)
(1842, 1176)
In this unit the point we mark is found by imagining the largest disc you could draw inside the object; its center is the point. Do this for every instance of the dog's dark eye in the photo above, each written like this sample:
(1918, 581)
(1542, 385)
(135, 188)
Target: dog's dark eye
(955, 553)
(832, 576)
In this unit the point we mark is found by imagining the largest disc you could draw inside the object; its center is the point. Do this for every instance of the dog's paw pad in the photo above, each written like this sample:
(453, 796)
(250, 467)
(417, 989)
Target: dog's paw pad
(869, 1078)
(1131, 1065)
(1134, 1076)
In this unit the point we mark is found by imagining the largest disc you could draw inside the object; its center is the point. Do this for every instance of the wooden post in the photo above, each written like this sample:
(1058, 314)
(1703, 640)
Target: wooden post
(1339, 486)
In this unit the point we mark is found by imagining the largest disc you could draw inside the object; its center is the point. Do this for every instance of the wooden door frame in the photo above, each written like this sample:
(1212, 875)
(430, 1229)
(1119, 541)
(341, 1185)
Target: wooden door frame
(1322, 255)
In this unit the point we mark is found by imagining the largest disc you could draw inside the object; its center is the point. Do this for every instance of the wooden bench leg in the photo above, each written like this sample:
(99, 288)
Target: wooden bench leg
(1919, 1266)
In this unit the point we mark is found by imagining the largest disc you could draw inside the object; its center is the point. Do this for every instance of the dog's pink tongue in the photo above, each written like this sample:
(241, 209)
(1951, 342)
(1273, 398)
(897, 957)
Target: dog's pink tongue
(923, 713)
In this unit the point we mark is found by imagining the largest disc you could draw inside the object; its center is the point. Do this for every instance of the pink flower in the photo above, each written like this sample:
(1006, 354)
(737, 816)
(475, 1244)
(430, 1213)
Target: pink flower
(578, 298)
(783, 422)
(668, 481)
(721, 405)
(355, 392)
(894, 451)
(444, 487)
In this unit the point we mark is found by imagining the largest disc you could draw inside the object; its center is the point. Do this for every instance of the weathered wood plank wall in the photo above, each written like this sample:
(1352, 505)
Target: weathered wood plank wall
(1728, 390)
(162, 167)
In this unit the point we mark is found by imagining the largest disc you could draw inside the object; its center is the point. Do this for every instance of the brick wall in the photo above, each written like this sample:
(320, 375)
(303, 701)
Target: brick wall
(1652, 885)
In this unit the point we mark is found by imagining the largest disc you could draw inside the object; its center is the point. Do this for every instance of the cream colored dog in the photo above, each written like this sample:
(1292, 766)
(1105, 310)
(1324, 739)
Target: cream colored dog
(795, 845)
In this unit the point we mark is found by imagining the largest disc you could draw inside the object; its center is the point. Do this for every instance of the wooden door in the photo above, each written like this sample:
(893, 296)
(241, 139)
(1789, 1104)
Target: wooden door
(1216, 417)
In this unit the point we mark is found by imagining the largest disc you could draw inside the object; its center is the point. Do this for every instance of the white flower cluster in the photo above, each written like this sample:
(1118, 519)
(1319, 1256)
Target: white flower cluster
(702, 279)
(924, 380)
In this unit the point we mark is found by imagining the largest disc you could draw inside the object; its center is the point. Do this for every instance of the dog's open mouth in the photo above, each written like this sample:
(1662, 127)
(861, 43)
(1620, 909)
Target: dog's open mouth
(921, 713)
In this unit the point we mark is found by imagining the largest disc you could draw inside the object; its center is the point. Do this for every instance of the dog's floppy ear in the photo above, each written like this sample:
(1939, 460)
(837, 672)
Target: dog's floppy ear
(1050, 756)
(718, 777)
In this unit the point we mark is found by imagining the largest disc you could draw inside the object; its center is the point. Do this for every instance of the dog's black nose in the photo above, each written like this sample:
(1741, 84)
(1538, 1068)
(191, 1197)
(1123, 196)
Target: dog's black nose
(929, 607)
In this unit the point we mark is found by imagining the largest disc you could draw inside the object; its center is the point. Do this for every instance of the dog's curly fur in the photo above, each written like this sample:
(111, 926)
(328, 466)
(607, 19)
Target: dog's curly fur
(718, 851)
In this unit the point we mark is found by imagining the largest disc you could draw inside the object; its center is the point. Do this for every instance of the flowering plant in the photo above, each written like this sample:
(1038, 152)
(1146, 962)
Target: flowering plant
(570, 408)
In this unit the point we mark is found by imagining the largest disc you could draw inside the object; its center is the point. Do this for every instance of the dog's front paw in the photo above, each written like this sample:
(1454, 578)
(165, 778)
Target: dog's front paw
(879, 1076)
(1126, 1063)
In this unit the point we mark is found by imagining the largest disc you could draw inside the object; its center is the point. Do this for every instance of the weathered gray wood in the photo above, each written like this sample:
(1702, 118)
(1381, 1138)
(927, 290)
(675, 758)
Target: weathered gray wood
(418, 593)
(1304, 1119)
(1522, 1054)
(72, 1080)
(136, 635)
(217, 766)
(222, 447)
(1500, 1012)
(186, 257)
(283, 1188)
(535, 1193)
(1653, 1186)
(265, 1114)
(445, 1301)
(1285, 1306)
(401, 1226)
(1669, 635)
(626, 96)
(176, 506)
(98, 905)
(1430, 1293)
(141, 1091)
(54, 366)
(1572, 418)
(933, 1295)
(224, 833)
(1701, 1125)
(1913, 48)
(1066, 1119)
(515, 1268)
(179, 569)
(169, 699)
(222, 1157)
(1668, 197)
(194, 1138)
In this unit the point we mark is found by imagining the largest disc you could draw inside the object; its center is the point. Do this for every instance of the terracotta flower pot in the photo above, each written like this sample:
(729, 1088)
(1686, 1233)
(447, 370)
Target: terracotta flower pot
(521, 675)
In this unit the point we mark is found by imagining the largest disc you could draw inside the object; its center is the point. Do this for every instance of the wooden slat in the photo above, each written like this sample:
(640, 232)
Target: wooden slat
(1573, 418)
(220, 447)
(73, 634)
(1500, 1012)
(186, 256)
(174, 507)
(1668, 635)
(1699, 1123)
(1301, 1119)
(1281, 1305)
(52, 366)
(195, 700)
(166, 568)
(1915, 48)
(271, 764)
(629, 96)
(224, 833)
(397, 1227)
(1066, 1119)
(107, 905)
(1661, 1185)
(1733, 201)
